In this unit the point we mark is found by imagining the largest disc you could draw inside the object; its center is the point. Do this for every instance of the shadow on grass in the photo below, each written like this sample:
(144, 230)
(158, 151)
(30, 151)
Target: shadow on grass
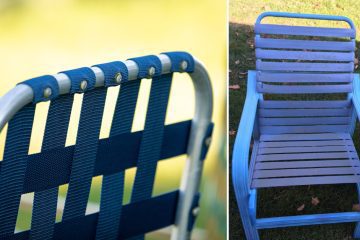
(280, 201)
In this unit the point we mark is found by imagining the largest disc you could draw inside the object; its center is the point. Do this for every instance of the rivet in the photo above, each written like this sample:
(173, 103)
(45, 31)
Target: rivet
(83, 85)
(208, 141)
(118, 78)
(183, 65)
(196, 211)
(47, 92)
(151, 72)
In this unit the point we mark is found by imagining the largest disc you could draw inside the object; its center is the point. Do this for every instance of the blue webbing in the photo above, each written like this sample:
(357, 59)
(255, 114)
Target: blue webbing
(85, 153)
(45, 202)
(14, 167)
(150, 147)
(113, 185)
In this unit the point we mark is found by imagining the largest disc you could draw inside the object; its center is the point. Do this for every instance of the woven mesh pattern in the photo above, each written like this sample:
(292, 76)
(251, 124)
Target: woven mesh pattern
(113, 185)
(13, 168)
(45, 202)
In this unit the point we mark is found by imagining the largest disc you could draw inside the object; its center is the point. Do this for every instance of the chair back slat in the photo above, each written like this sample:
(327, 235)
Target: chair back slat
(56, 128)
(85, 152)
(13, 168)
(112, 190)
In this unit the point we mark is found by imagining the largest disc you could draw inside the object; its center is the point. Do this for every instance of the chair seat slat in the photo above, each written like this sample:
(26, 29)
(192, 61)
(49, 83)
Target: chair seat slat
(303, 121)
(306, 172)
(304, 112)
(307, 164)
(302, 149)
(303, 137)
(304, 156)
(304, 104)
(282, 182)
(305, 143)
(304, 129)
(304, 31)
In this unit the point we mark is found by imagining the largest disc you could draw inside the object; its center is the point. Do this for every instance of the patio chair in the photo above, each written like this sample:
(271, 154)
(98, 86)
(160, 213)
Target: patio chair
(298, 137)
(44, 172)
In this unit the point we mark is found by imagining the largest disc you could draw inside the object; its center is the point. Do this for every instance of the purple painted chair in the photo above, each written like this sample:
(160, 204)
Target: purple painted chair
(298, 137)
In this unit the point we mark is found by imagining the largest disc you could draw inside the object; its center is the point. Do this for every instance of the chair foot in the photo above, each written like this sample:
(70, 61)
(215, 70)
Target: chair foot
(249, 228)
(357, 231)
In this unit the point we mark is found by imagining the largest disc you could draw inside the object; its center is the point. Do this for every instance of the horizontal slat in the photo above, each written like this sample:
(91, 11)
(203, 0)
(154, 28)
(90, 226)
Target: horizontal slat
(305, 143)
(304, 67)
(304, 44)
(302, 149)
(304, 156)
(307, 164)
(303, 220)
(304, 104)
(303, 31)
(303, 112)
(303, 121)
(282, 182)
(305, 55)
(313, 89)
(305, 77)
(304, 129)
(306, 172)
(300, 137)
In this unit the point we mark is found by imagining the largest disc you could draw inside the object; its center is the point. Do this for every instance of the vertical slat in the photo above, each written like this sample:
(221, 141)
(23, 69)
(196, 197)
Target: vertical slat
(13, 168)
(85, 153)
(45, 202)
(150, 147)
(113, 185)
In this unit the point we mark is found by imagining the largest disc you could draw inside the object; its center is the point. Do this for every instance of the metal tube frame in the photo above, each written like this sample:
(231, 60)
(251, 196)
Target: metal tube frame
(14, 100)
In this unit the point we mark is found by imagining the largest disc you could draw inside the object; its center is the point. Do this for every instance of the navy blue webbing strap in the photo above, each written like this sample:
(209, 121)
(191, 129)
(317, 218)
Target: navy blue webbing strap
(113, 185)
(45, 202)
(13, 168)
(150, 147)
(181, 61)
(115, 73)
(86, 147)
(44, 88)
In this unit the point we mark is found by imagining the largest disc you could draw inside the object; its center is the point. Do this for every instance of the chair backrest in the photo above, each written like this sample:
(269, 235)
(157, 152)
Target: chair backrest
(55, 165)
(304, 63)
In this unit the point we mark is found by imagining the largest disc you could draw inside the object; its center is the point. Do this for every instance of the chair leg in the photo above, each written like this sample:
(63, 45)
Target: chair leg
(250, 230)
(357, 227)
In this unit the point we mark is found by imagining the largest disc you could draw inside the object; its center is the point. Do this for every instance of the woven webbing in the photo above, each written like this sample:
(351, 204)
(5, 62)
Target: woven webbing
(113, 185)
(85, 153)
(14, 167)
(45, 202)
(150, 147)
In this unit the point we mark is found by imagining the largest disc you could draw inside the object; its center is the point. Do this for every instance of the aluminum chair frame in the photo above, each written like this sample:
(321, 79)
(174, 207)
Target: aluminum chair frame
(22, 94)
(248, 129)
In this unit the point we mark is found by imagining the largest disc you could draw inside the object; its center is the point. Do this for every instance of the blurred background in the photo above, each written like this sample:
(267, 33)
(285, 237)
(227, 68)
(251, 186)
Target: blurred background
(44, 37)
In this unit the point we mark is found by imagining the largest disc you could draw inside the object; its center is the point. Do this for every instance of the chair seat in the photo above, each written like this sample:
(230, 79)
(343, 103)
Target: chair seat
(304, 159)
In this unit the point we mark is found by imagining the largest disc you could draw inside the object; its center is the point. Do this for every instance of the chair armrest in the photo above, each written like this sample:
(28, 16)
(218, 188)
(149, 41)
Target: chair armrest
(356, 94)
(240, 157)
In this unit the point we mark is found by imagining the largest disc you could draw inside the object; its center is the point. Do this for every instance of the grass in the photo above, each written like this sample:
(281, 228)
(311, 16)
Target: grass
(283, 201)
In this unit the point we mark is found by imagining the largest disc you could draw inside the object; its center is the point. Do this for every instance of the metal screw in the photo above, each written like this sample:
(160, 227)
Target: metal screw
(208, 141)
(83, 85)
(196, 211)
(183, 65)
(151, 72)
(118, 78)
(47, 92)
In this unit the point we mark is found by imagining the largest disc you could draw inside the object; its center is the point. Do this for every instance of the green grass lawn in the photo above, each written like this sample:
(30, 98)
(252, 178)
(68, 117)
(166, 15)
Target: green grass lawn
(283, 201)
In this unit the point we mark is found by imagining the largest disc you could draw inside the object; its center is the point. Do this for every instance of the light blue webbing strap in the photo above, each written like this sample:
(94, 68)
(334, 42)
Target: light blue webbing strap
(113, 185)
(86, 144)
(13, 168)
(150, 147)
(45, 202)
